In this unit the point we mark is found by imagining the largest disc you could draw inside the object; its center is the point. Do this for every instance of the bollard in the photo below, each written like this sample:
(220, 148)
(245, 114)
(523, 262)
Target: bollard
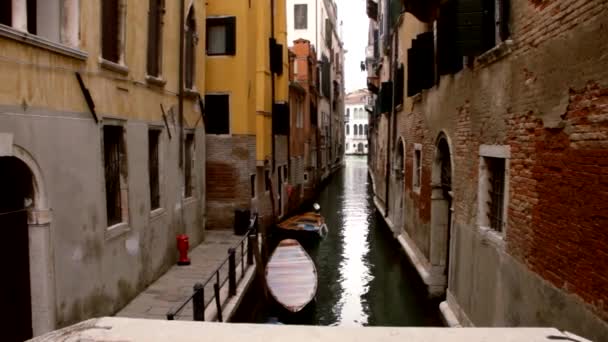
(218, 305)
(231, 272)
(250, 247)
(170, 316)
(198, 303)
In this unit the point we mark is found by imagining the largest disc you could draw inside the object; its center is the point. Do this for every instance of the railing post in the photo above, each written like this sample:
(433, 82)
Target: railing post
(250, 247)
(198, 302)
(231, 272)
(218, 305)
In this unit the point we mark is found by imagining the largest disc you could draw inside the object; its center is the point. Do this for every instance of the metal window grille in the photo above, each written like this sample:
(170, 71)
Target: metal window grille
(189, 144)
(112, 138)
(153, 168)
(496, 178)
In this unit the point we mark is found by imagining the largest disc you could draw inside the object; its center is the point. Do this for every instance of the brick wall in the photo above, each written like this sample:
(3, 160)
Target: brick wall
(230, 164)
(546, 96)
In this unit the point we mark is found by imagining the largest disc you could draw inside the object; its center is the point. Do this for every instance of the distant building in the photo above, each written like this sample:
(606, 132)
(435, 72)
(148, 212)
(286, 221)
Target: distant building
(317, 21)
(356, 122)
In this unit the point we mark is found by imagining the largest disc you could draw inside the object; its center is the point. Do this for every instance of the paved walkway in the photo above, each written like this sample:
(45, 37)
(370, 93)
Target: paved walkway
(176, 285)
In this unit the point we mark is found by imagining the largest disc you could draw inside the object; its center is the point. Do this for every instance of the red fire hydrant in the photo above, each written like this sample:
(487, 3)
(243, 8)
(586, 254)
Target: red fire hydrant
(182, 247)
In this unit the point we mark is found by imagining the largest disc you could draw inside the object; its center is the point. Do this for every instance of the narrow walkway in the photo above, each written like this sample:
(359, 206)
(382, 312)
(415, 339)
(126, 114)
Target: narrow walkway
(176, 285)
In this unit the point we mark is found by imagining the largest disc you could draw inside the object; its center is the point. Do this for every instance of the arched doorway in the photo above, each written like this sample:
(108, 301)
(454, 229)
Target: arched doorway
(441, 206)
(360, 148)
(15, 198)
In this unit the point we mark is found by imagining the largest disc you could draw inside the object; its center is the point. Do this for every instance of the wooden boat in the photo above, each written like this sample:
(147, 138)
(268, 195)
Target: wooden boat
(291, 276)
(302, 227)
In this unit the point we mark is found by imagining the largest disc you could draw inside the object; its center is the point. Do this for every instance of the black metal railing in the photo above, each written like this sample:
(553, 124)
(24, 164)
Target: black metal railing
(216, 281)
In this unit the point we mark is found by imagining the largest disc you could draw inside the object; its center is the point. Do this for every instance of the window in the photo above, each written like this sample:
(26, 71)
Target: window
(417, 167)
(355, 129)
(190, 53)
(365, 130)
(361, 130)
(252, 184)
(217, 114)
(420, 64)
(155, 36)
(347, 112)
(221, 36)
(188, 165)
(6, 13)
(153, 168)
(347, 129)
(112, 30)
(300, 16)
(115, 172)
(481, 25)
(267, 180)
(285, 173)
(493, 186)
(354, 145)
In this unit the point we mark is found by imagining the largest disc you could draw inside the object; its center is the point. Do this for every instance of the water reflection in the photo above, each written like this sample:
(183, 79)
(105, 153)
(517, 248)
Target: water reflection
(364, 277)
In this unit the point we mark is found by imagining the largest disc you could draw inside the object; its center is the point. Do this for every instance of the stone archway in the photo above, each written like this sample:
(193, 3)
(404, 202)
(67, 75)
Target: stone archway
(28, 197)
(441, 208)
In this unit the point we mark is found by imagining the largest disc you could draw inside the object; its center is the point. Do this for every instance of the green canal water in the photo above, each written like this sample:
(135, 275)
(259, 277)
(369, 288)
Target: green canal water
(364, 277)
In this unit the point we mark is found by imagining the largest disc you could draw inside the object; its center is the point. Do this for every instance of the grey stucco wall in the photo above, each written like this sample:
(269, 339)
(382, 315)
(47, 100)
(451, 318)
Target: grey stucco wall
(96, 273)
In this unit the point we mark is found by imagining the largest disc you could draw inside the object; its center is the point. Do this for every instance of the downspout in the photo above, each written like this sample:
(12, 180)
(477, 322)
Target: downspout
(272, 87)
(181, 99)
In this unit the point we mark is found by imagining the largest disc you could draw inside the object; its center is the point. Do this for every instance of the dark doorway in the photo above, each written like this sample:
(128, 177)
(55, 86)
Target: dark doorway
(15, 193)
(446, 187)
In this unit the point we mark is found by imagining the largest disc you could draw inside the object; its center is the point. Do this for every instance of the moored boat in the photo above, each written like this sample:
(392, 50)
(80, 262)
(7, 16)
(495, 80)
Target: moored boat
(291, 276)
(305, 227)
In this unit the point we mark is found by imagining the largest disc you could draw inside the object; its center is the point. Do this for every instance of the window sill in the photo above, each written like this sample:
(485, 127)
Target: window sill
(191, 92)
(116, 230)
(156, 81)
(43, 43)
(495, 54)
(157, 213)
(491, 237)
(116, 67)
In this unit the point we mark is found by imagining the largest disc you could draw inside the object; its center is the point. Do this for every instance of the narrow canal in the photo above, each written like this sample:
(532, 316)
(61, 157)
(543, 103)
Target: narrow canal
(364, 277)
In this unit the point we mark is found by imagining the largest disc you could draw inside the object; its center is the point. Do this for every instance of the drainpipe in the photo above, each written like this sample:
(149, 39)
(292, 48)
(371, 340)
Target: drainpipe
(272, 87)
(181, 98)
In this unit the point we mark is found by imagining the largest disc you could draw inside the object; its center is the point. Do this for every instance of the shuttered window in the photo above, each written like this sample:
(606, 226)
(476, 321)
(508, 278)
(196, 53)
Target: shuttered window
(221, 36)
(155, 22)
(421, 64)
(6, 13)
(449, 58)
(328, 31)
(481, 24)
(325, 77)
(217, 114)
(153, 168)
(276, 57)
(189, 166)
(399, 84)
(386, 97)
(280, 118)
(110, 21)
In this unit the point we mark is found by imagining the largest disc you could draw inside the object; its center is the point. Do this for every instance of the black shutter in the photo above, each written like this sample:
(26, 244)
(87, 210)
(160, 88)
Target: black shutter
(469, 26)
(426, 58)
(328, 31)
(109, 13)
(399, 81)
(325, 81)
(153, 38)
(449, 59)
(276, 57)
(280, 118)
(217, 114)
(414, 68)
(386, 97)
(230, 35)
(6, 13)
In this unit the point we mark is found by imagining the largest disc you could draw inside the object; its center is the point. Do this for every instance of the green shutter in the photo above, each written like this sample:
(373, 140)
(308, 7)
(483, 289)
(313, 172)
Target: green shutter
(469, 26)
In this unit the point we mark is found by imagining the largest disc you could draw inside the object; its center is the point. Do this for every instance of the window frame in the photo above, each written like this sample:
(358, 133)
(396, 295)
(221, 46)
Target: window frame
(113, 228)
(208, 113)
(118, 65)
(156, 33)
(159, 143)
(497, 152)
(295, 17)
(189, 178)
(230, 23)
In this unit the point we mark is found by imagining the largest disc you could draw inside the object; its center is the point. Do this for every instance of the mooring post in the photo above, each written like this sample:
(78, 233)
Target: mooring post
(198, 302)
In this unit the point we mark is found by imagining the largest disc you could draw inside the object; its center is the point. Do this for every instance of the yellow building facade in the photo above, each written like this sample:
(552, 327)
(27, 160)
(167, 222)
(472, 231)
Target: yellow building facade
(239, 108)
(104, 179)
